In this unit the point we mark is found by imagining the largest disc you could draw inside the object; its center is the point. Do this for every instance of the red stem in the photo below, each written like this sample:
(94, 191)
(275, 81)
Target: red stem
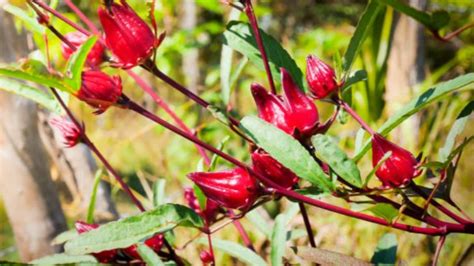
(94, 149)
(307, 224)
(149, 90)
(443, 229)
(83, 17)
(356, 116)
(211, 249)
(60, 16)
(254, 24)
(242, 232)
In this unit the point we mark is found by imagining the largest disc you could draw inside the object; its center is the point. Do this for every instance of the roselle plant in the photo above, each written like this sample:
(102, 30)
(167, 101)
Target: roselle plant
(291, 153)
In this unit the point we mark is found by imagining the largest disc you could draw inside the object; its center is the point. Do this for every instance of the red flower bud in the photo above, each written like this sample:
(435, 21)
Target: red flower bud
(264, 164)
(106, 256)
(206, 257)
(128, 37)
(71, 134)
(295, 113)
(212, 207)
(234, 189)
(399, 169)
(99, 90)
(321, 77)
(96, 55)
(155, 243)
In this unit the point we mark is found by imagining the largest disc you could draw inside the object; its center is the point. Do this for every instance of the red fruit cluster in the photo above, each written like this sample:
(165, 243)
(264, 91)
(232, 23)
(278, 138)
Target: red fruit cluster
(128, 37)
(209, 213)
(109, 256)
(233, 189)
(70, 133)
(399, 169)
(294, 112)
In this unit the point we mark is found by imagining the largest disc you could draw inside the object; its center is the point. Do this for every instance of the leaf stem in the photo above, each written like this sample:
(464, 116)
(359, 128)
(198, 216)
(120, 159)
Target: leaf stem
(356, 116)
(307, 224)
(248, 9)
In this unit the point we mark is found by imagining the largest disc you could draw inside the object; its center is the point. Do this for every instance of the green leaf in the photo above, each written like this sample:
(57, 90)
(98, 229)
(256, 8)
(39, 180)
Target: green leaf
(435, 21)
(236, 250)
(64, 237)
(384, 210)
(148, 255)
(214, 159)
(128, 231)
(33, 71)
(386, 250)
(286, 150)
(278, 242)
(200, 197)
(239, 37)
(355, 77)
(360, 34)
(456, 129)
(330, 153)
(76, 62)
(226, 64)
(259, 222)
(42, 98)
(317, 256)
(30, 22)
(429, 96)
(91, 208)
(63, 258)
(159, 192)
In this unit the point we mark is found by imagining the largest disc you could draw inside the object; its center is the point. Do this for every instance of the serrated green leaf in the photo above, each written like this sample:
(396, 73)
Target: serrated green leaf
(91, 208)
(128, 231)
(76, 62)
(159, 192)
(239, 36)
(456, 129)
(286, 150)
(42, 98)
(384, 210)
(360, 34)
(278, 242)
(34, 71)
(330, 153)
(148, 255)
(236, 250)
(386, 250)
(63, 258)
(429, 96)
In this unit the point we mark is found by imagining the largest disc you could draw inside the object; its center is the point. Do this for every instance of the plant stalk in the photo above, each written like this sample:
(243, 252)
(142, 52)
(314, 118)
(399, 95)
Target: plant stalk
(307, 224)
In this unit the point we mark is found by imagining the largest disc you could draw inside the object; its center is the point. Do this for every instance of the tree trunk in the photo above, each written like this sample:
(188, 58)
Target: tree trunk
(405, 68)
(191, 58)
(29, 195)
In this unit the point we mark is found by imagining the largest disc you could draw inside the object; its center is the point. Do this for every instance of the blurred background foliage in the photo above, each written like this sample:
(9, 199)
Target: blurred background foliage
(143, 152)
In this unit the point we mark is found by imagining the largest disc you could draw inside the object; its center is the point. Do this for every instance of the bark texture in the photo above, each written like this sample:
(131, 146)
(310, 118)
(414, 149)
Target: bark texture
(29, 194)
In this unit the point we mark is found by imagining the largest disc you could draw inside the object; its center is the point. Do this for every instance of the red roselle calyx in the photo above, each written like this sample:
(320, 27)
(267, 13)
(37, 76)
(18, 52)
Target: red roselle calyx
(106, 256)
(265, 165)
(99, 90)
(70, 133)
(155, 243)
(233, 189)
(96, 55)
(129, 38)
(295, 113)
(210, 212)
(399, 169)
(206, 257)
(321, 78)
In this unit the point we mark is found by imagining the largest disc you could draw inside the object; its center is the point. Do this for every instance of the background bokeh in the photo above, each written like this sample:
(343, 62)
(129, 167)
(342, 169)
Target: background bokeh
(143, 152)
